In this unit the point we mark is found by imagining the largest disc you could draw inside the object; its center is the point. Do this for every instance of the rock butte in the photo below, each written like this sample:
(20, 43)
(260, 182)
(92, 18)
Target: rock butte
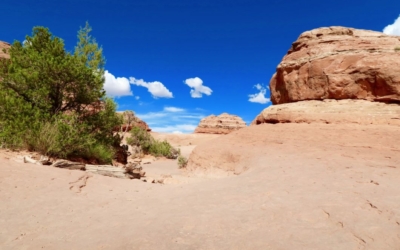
(339, 63)
(222, 124)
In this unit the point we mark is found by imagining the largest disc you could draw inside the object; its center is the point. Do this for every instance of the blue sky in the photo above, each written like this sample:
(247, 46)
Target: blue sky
(175, 62)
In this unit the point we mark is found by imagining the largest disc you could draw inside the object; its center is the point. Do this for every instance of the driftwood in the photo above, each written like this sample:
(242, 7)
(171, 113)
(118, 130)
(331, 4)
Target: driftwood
(129, 172)
(106, 170)
(69, 165)
(28, 159)
(44, 160)
(134, 170)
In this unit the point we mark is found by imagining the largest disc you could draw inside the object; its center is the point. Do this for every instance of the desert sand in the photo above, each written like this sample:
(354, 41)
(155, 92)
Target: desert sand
(282, 186)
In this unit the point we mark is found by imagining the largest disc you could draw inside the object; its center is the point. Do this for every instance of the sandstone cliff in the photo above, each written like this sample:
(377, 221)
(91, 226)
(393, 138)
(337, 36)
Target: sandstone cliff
(339, 63)
(222, 124)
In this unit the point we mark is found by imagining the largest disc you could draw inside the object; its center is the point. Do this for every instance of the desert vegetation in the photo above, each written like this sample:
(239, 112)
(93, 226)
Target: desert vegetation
(182, 162)
(146, 144)
(52, 100)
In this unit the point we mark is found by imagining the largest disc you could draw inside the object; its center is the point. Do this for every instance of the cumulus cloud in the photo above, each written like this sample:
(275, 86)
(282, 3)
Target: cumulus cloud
(172, 120)
(116, 86)
(197, 87)
(394, 28)
(173, 109)
(260, 96)
(157, 89)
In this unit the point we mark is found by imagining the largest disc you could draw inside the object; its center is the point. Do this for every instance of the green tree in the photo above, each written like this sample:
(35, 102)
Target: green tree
(42, 83)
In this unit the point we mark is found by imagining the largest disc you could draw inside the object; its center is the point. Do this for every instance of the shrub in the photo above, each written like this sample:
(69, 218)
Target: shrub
(143, 139)
(397, 49)
(182, 161)
(140, 138)
(163, 148)
(66, 137)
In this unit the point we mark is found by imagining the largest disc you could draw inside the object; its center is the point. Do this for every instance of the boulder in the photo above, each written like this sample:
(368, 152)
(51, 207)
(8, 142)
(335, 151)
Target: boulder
(222, 124)
(339, 63)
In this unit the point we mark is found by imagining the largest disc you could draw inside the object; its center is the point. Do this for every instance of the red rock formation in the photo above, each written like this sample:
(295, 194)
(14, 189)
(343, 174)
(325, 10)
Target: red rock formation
(222, 124)
(4, 45)
(331, 112)
(130, 121)
(339, 63)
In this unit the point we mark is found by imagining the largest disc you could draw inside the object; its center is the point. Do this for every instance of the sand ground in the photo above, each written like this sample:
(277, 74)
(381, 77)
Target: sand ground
(288, 186)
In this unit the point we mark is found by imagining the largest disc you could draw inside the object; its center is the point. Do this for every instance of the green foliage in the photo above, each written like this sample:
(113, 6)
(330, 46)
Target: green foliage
(65, 136)
(163, 148)
(89, 51)
(53, 101)
(141, 138)
(182, 161)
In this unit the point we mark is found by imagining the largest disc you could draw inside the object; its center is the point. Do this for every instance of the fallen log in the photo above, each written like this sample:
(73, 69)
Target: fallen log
(123, 173)
(28, 159)
(44, 160)
(68, 165)
(106, 170)
(131, 171)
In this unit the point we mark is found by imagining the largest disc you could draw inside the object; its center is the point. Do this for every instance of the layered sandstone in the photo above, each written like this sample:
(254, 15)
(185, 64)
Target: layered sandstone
(331, 112)
(339, 63)
(222, 124)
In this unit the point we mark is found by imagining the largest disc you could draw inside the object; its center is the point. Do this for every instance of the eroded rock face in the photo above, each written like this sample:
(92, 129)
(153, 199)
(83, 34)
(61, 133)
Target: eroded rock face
(4, 45)
(130, 120)
(339, 63)
(331, 112)
(222, 124)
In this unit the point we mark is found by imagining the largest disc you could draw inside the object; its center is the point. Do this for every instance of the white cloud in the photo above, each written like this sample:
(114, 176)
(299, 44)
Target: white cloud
(260, 96)
(198, 89)
(258, 86)
(173, 109)
(137, 97)
(167, 121)
(116, 86)
(157, 89)
(394, 28)
(182, 128)
(149, 117)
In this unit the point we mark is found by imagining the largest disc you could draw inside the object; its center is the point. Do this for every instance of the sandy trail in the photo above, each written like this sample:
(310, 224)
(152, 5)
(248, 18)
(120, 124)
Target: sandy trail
(305, 187)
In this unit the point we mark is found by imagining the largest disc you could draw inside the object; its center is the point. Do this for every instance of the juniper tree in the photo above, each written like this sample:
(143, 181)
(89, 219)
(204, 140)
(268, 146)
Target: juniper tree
(42, 82)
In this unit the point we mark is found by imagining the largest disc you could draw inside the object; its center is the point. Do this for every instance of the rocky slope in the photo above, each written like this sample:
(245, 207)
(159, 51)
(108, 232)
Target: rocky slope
(339, 63)
(222, 124)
